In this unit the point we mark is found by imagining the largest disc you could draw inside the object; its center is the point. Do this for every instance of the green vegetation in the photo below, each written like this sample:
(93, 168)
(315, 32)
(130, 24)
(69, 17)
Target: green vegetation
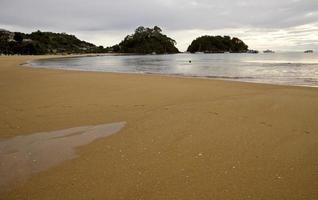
(142, 41)
(217, 44)
(146, 41)
(44, 43)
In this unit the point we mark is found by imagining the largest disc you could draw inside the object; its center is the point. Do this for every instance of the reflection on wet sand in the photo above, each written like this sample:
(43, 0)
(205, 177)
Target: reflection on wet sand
(23, 156)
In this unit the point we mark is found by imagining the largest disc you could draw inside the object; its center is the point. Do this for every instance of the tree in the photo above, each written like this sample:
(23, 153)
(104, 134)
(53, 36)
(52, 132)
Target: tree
(157, 29)
(140, 29)
(18, 37)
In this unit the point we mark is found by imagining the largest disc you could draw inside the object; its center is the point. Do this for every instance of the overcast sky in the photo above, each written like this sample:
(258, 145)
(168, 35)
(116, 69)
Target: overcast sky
(262, 24)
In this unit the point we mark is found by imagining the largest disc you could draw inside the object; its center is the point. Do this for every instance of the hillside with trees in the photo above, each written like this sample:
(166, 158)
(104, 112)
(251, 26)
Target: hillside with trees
(147, 41)
(217, 44)
(142, 41)
(38, 42)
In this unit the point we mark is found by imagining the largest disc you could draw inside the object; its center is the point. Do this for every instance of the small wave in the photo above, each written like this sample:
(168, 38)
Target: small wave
(280, 62)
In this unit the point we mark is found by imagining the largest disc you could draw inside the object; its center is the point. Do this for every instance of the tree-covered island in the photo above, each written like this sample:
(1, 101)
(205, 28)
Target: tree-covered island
(217, 44)
(147, 41)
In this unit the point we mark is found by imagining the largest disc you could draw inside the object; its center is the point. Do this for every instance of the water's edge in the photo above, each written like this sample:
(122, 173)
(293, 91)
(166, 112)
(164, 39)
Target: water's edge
(34, 64)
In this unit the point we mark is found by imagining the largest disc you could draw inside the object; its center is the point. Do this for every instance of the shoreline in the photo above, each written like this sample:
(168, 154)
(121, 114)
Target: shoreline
(185, 138)
(217, 78)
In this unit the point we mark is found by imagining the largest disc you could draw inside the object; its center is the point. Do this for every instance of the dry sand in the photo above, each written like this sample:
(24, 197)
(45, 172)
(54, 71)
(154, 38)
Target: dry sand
(185, 138)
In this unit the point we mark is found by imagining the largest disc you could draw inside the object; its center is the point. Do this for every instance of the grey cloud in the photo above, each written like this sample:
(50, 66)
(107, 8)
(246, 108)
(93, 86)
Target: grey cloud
(173, 14)
(123, 16)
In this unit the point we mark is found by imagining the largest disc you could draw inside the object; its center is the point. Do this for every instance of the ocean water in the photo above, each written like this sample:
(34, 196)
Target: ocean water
(279, 68)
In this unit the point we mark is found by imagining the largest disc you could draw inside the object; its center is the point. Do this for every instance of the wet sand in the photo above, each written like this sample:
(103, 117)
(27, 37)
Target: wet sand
(184, 138)
(23, 156)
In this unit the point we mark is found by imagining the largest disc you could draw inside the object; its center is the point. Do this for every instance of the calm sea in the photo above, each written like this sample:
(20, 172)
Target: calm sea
(278, 68)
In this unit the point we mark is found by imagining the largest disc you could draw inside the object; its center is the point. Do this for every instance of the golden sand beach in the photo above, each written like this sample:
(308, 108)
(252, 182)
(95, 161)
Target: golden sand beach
(184, 138)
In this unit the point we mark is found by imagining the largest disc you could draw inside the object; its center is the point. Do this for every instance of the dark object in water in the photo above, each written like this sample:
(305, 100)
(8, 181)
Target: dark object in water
(252, 51)
(309, 51)
(190, 61)
(268, 51)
